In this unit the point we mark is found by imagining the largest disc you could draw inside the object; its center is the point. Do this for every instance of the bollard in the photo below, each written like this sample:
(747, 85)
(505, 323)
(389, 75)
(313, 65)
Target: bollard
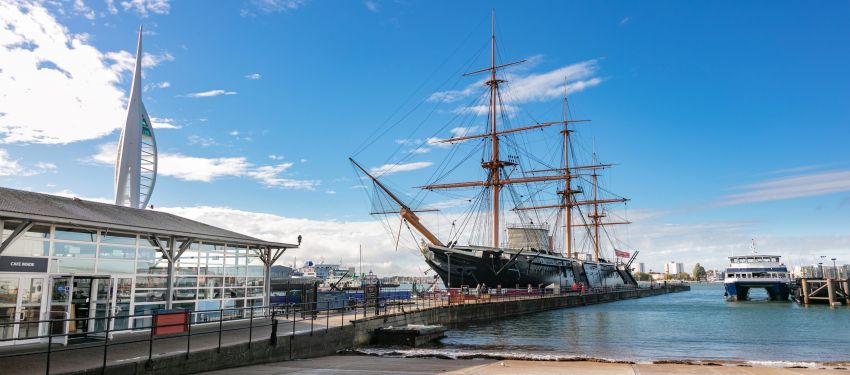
(830, 289)
(805, 292)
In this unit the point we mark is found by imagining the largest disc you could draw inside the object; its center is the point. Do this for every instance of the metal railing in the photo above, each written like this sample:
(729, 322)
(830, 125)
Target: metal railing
(320, 315)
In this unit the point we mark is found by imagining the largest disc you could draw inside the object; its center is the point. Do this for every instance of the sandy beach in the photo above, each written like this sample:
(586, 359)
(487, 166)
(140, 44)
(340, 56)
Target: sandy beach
(376, 365)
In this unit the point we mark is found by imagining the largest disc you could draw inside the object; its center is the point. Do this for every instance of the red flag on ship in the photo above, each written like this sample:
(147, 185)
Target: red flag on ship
(621, 254)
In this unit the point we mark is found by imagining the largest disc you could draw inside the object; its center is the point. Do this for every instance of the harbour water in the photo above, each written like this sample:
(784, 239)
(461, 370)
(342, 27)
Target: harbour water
(693, 326)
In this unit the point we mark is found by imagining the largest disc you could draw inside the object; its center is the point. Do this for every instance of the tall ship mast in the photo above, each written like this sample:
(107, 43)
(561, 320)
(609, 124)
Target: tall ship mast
(527, 256)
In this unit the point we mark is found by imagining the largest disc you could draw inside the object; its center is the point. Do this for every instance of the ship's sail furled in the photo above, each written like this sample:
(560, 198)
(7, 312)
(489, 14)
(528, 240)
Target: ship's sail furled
(135, 168)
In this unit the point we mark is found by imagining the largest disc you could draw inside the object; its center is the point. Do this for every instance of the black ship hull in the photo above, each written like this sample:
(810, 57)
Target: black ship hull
(512, 268)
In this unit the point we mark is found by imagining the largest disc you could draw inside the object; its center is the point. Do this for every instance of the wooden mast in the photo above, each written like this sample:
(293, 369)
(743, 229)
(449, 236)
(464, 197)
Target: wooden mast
(405, 212)
(568, 207)
(495, 168)
(595, 218)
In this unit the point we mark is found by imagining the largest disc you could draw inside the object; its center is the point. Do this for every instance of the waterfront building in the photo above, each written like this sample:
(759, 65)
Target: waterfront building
(639, 267)
(69, 258)
(135, 167)
(673, 268)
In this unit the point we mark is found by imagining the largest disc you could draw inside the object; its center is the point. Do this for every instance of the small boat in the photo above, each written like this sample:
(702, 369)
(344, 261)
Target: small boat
(756, 271)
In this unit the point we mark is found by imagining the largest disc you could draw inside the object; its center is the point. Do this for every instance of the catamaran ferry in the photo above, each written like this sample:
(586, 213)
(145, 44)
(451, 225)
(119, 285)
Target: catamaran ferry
(756, 271)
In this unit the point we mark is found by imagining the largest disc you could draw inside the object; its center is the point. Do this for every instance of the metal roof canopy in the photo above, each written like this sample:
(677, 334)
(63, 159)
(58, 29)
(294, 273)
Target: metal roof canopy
(46, 208)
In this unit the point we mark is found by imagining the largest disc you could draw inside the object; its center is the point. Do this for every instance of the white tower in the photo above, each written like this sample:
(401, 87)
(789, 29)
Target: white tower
(135, 169)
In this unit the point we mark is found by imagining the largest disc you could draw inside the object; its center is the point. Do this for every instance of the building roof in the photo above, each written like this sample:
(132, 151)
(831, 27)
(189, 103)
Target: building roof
(26, 205)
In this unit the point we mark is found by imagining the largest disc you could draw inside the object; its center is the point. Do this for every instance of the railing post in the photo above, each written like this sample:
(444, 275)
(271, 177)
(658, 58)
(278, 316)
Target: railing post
(251, 326)
(273, 339)
(220, 326)
(150, 343)
(327, 316)
(189, 333)
(105, 343)
(312, 318)
(49, 342)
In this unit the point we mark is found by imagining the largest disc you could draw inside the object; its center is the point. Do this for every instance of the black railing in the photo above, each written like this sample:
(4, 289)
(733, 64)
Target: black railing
(250, 320)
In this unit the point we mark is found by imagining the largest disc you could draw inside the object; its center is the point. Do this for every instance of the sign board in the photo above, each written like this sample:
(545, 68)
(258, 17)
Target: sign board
(22, 264)
(370, 293)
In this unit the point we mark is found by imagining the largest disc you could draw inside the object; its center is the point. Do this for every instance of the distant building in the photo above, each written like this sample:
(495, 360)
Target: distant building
(640, 267)
(673, 268)
(656, 276)
(714, 276)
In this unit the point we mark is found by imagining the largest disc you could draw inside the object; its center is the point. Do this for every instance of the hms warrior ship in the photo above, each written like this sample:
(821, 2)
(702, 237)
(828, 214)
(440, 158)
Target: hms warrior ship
(528, 257)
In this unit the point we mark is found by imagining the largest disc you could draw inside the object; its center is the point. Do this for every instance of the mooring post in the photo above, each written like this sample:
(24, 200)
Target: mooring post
(830, 289)
(805, 292)
(846, 287)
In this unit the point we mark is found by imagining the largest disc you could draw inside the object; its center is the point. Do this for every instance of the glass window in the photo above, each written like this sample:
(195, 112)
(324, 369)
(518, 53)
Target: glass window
(72, 265)
(152, 282)
(184, 282)
(184, 306)
(209, 293)
(116, 252)
(210, 281)
(255, 271)
(185, 294)
(74, 234)
(255, 292)
(145, 310)
(145, 253)
(255, 281)
(115, 266)
(37, 231)
(119, 239)
(153, 267)
(234, 292)
(28, 247)
(234, 281)
(150, 295)
(78, 250)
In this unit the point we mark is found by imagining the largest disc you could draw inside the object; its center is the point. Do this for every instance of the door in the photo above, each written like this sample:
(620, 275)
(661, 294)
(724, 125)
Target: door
(20, 309)
(61, 290)
(123, 295)
(101, 306)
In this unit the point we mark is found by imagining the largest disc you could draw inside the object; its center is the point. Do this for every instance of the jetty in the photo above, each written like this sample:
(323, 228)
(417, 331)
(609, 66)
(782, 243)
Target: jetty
(238, 337)
(833, 292)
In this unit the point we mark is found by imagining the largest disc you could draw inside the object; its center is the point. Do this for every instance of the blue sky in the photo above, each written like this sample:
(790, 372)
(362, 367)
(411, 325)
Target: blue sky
(728, 120)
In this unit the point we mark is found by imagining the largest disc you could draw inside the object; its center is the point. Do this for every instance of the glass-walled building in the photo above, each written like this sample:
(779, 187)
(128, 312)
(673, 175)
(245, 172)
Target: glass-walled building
(68, 258)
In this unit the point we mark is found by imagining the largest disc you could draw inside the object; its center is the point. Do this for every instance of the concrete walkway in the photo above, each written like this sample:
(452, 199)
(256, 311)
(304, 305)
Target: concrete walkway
(363, 365)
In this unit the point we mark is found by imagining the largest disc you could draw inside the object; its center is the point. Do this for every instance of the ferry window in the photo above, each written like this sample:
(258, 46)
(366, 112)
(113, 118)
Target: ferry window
(776, 260)
(749, 260)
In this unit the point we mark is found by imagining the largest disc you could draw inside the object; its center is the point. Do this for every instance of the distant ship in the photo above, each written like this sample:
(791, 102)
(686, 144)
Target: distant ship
(757, 271)
(516, 173)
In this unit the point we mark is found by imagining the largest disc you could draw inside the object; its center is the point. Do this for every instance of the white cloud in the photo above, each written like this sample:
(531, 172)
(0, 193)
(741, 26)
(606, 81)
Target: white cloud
(371, 5)
(388, 169)
(269, 175)
(254, 76)
(210, 93)
(790, 187)
(201, 141)
(123, 61)
(273, 6)
(40, 58)
(13, 167)
(233, 133)
(523, 87)
(193, 168)
(276, 157)
(143, 7)
(110, 6)
(624, 21)
(163, 123)
(70, 194)
(190, 168)
(157, 85)
(81, 8)
(322, 239)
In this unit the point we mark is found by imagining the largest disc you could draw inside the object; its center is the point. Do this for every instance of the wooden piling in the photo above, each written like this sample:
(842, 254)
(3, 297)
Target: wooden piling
(846, 286)
(805, 292)
(830, 290)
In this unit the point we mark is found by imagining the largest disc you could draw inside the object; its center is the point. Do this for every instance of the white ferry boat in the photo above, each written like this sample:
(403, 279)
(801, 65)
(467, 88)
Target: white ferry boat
(756, 271)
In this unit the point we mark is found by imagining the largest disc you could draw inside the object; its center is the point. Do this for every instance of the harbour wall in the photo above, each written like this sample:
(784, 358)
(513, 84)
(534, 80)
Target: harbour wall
(360, 332)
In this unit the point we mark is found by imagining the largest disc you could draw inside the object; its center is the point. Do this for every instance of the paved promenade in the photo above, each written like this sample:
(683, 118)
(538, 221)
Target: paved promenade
(363, 365)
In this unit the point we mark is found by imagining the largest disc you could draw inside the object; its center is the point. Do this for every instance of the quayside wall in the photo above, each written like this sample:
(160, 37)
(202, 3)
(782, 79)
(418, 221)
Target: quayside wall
(359, 333)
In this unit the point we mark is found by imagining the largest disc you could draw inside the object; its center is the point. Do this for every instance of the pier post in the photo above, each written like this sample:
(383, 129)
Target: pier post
(830, 289)
(846, 286)
(805, 292)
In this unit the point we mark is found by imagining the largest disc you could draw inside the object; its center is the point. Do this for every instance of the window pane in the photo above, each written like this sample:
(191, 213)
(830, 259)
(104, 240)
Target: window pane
(119, 239)
(183, 282)
(151, 282)
(115, 266)
(149, 295)
(78, 250)
(185, 294)
(37, 231)
(28, 247)
(116, 252)
(73, 265)
(155, 267)
(76, 234)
